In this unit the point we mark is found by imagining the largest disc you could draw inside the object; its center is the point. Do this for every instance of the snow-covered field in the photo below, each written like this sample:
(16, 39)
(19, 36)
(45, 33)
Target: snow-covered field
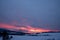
(53, 36)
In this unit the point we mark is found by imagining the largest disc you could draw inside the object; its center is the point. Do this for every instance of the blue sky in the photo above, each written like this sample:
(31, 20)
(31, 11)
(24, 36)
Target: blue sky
(37, 13)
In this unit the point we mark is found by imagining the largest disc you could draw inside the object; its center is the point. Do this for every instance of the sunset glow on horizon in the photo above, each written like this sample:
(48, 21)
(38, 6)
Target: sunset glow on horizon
(28, 29)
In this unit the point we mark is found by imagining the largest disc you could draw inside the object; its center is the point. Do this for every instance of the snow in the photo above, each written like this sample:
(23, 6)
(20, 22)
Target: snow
(53, 36)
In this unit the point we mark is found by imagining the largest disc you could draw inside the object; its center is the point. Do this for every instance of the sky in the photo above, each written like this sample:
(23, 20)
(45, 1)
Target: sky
(36, 13)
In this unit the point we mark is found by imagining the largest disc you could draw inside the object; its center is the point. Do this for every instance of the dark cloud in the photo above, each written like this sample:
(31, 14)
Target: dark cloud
(31, 12)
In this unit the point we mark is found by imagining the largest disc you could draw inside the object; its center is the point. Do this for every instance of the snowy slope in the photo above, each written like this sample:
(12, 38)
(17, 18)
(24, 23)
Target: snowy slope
(53, 36)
